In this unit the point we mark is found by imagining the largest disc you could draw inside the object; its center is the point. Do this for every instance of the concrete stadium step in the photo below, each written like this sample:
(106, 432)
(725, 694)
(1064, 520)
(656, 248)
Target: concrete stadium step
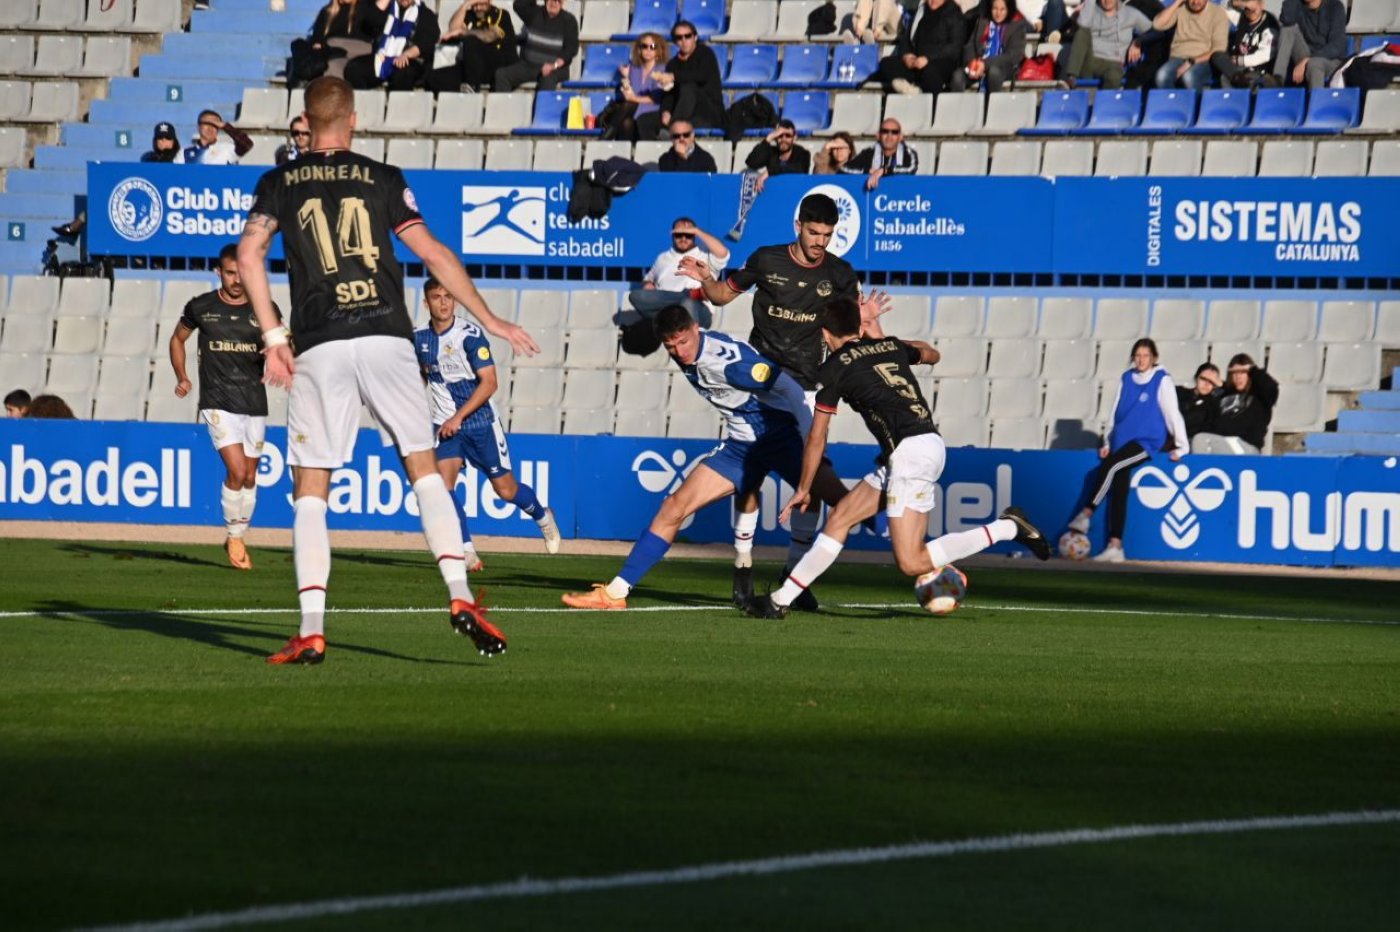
(185, 115)
(1381, 400)
(254, 70)
(222, 20)
(1367, 444)
(155, 91)
(37, 206)
(1369, 422)
(248, 44)
(27, 257)
(46, 181)
(70, 158)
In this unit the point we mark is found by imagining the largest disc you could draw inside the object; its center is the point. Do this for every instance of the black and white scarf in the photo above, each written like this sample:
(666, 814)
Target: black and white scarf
(398, 28)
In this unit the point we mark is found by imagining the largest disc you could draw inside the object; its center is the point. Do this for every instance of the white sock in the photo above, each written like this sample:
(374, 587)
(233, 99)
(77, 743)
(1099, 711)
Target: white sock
(311, 552)
(950, 548)
(444, 534)
(745, 523)
(247, 501)
(231, 502)
(618, 588)
(804, 531)
(817, 560)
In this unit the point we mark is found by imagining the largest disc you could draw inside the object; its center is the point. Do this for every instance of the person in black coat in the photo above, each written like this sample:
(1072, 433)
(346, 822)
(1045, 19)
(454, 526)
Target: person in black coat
(1200, 403)
(1246, 407)
(929, 50)
(487, 42)
(694, 91)
(411, 63)
(685, 155)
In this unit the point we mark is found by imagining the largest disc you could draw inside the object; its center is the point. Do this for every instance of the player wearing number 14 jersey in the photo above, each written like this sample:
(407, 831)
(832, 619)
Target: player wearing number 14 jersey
(351, 342)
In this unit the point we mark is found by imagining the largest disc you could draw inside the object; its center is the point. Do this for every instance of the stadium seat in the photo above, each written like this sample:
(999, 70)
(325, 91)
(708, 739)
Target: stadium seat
(17, 13)
(1007, 114)
(13, 142)
(1179, 158)
(707, 16)
(84, 297)
(1341, 158)
(641, 390)
(1065, 318)
(586, 422)
(542, 310)
(26, 333)
(551, 354)
(532, 420)
(908, 317)
(557, 155)
(803, 66)
(1177, 319)
(1018, 434)
(963, 158)
(53, 102)
(1222, 112)
(1014, 359)
(1381, 115)
(502, 302)
(683, 398)
(1121, 158)
(1064, 158)
(1346, 321)
(158, 16)
(1286, 158)
(459, 154)
(1120, 319)
(600, 65)
(1295, 362)
(161, 403)
(1230, 158)
(962, 357)
(408, 112)
(130, 337)
(809, 111)
(57, 15)
(1010, 318)
(651, 16)
(550, 115)
(1181, 357)
(1331, 110)
(107, 16)
(595, 150)
(1388, 325)
(135, 299)
(639, 424)
(965, 397)
(1113, 113)
(603, 19)
(369, 147)
(1289, 321)
(959, 431)
(956, 114)
(1349, 366)
(1276, 111)
(406, 152)
(592, 309)
(590, 389)
(124, 375)
(649, 150)
(861, 61)
(56, 55)
(1300, 407)
(1015, 158)
(792, 20)
(77, 335)
(33, 294)
(457, 113)
(848, 427)
(505, 113)
(1369, 16)
(913, 111)
(14, 99)
(1233, 321)
(1385, 159)
(24, 370)
(510, 154)
(698, 425)
(957, 316)
(1166, 112)
(540, 388)
(71, 376)
(1061, 112)
(1222, 351)
(753, 66)
(369, 110)
(16, 54)
(856, 113)
(750, 21)
(1070, 399)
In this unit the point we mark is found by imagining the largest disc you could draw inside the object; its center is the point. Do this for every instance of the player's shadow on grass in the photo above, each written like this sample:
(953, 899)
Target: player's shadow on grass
(138, 553)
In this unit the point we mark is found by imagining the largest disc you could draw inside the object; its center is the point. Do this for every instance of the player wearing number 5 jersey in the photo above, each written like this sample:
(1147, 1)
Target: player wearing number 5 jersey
(351, 342)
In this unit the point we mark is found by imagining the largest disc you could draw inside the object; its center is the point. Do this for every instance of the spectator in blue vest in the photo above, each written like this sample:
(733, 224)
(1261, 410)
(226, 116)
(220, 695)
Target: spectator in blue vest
(1146, 420)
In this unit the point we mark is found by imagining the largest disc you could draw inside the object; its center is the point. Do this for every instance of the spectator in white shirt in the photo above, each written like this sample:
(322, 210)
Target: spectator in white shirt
(664, 284)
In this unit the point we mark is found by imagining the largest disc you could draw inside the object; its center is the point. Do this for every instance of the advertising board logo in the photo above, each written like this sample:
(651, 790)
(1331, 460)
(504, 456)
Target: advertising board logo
(135, 209)
(662, 474)
(847, 217)
(1181, 526)
(503, 220)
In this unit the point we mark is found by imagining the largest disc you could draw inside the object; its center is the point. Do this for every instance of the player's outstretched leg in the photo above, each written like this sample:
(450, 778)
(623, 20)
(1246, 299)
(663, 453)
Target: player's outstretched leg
(445, 541)
(231, 502)
(804, 532)
(1012, 525)
(1027, 534)
(612, 597)
(311, 552)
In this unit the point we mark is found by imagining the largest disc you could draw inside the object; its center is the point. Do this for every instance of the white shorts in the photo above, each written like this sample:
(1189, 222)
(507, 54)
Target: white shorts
(913, 472)
(226, 429)
(333, 379)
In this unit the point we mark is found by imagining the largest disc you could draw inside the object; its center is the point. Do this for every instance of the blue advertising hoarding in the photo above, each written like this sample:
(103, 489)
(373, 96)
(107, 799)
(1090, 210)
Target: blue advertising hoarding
(1300, 510)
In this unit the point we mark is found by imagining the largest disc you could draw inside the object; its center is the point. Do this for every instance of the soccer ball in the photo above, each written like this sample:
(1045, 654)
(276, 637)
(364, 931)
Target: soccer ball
(942, 591)
(1074, 545)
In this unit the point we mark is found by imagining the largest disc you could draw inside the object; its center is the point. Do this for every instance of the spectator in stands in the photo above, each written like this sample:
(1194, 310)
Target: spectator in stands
(1106, 38)
(779, 154)
(1146, 419)
(694, 89)
(344, 29)
(835, 157)
(1202, 30)
(50, 406)
(664, 284)
(995, 49)
(1050, 18)
(891, 155)
(685, 154)
(1245, 409)
(548, 44)
(873, 21)
(1200, 402)
(486, 42)
(17, 403)
(208, 149)
(1312, 41)
(1249, 61)
(403, 52)
(636, 112)
(298, 141)
(165, 144)
(928, 52)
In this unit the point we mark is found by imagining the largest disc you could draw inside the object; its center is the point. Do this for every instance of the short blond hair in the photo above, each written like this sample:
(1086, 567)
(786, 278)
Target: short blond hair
(329, 101)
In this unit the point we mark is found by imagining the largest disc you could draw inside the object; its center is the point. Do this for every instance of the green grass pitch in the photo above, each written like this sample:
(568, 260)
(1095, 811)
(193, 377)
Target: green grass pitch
(153, 767)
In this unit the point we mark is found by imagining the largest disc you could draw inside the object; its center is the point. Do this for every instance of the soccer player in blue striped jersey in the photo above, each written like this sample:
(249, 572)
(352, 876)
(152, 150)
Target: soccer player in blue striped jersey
(765, 418)
(461, 375)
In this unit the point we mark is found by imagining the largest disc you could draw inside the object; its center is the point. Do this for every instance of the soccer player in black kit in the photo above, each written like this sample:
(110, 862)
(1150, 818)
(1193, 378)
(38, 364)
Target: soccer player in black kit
(872, 374)
(353, 343)
(794, 281)
(232, 399)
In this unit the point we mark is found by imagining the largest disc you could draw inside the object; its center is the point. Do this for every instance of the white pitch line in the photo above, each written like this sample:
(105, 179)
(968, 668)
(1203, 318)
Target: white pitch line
(699, 873)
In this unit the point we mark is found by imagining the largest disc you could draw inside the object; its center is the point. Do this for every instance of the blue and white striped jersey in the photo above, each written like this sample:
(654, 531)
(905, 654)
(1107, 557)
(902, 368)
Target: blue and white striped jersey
(451, 362)
(752, 393)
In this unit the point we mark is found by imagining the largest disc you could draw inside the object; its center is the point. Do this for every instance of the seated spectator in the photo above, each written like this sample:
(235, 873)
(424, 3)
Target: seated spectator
(547, 45)
(685, 154)
(891, 155)
(636, 112)
(403, 53)
(1246, 407)
(485, 36)
(928, 52)
(208, 149)
(165, 144)
(1249, 61)
(778, 154)
(694, 91)
(1105, 40)
(873, 21)
(344, 29)
(50, 406)
(835, 156)
(1202, 30)
(1200, 403)
(1052, 19)
(995, 49)
(17, 403)
(664, 284)
(298, 141)
(1312, 41)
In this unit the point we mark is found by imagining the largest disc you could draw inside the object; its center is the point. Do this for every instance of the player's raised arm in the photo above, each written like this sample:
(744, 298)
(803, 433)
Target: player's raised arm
(253, 248)
(812, 455)
(717, 291)
(872, 308)
(442, 263)
(928, 356)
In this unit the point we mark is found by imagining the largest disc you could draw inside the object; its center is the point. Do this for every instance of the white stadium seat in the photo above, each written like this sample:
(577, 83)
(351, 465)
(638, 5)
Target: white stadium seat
(1072, 399)
(1010, 318)
(1014, 398)
(1068, 359)
(539, 388)
(589, 388)
(27, 333)
(1026, 433)
(1346, 321)
(700, 425)
(957, 316)
(527, 420)
(1014, 359)
(628, 423)
(1289, 321)
(1120, 319)
(1065, 318)
(594, 348)
(959, 431)
(1177, 319)
(1233, 320)
(1301, 407)
(77, 335)
(1295, 362)
(962, 357)
(960, 397)
(1352, 366)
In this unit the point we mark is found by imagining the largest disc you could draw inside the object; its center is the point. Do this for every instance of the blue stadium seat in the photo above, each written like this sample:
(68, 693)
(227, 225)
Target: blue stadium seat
(752, 66)
(707, 15)
(600, 64)
(1277, 111)
(1331, 110)
(1167, 111)
(803, 66)
(552, 111)
(1222, 112)
(809, 111)
(863, 60)
(1370, 42)
(740, 95)
(1060, 113)
(1114, 112)
(651, 16)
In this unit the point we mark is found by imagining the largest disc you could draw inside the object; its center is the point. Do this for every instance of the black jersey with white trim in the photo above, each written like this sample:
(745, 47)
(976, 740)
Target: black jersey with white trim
(230, 354)
(337, 211)
(788, 303)
(874, 377)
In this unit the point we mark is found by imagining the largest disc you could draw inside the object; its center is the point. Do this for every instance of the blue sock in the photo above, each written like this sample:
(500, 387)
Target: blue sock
(462, 518)
(526, 501)
(646, 553)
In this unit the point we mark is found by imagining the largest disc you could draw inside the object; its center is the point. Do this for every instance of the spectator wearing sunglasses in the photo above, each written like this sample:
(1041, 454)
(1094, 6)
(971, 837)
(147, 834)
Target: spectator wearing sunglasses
(664, 284)
(548, 43)
(298, 142)
(891, 155)
(208, 149)
(685, 154)
(779, 154)
(694, 91)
